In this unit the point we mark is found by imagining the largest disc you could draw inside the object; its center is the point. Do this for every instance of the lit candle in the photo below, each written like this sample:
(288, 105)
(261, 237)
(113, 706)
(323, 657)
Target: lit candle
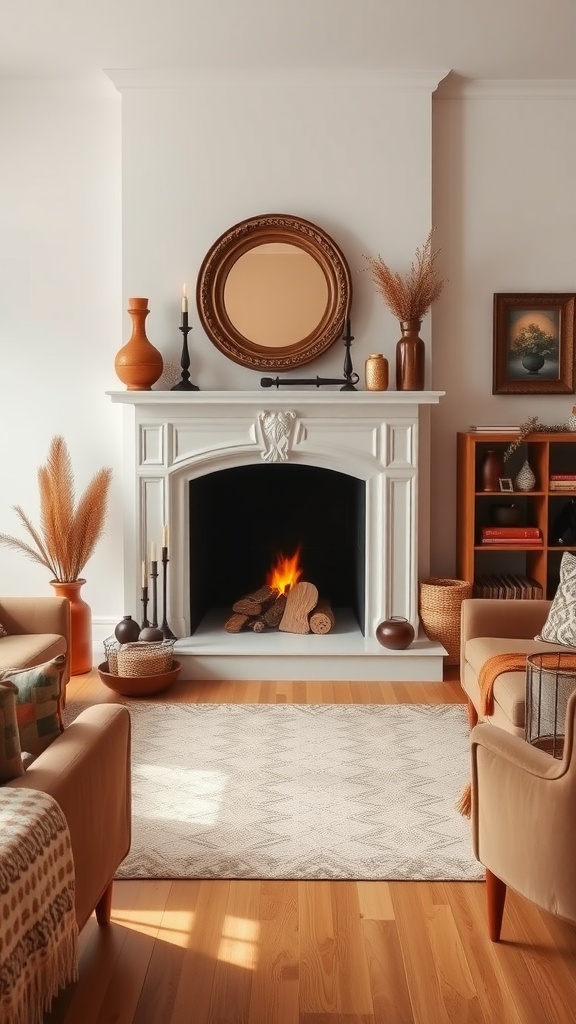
(143, 574)
(164, 536)
(153, 552)
(184, 299)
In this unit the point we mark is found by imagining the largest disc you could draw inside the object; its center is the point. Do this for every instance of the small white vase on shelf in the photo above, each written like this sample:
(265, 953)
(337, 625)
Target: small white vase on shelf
(525, 481)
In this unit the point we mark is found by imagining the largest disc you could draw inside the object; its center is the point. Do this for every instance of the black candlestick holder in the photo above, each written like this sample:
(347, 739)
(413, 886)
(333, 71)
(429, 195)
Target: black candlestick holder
(168, 634)
(350, 377)
(144, 600)
(185, 384)
(154, 578)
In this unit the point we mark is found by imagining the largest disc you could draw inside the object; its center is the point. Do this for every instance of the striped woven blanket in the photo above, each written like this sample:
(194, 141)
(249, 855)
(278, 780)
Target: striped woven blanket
(38, 932)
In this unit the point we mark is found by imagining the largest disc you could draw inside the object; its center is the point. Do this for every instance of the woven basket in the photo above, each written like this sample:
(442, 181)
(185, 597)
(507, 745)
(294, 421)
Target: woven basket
(440, 608)
(144, 659)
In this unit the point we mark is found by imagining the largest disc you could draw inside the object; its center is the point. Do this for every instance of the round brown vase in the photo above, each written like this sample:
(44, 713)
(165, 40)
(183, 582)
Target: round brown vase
(410, 357)
(127, 631)
(80, 625)
(395, 633)
(138, 363)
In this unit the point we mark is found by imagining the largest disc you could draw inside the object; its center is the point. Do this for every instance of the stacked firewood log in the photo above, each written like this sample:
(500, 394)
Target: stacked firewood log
(298, 611)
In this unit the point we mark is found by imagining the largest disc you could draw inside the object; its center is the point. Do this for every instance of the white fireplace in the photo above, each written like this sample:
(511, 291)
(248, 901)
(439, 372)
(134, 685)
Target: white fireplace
(377, 439)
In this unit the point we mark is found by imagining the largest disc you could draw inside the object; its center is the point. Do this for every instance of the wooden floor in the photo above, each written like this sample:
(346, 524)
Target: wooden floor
(193, 952)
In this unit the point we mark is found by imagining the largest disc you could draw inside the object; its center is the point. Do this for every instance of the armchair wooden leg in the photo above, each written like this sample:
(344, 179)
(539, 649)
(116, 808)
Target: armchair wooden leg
(104, 906)
(495, 898)
(472, 714)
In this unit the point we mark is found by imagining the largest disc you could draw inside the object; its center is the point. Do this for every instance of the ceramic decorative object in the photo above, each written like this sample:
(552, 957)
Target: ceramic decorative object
(127, 630)
(506, 515)
(492, 470)
(139, 686)
(138, 364)
(80, 625)
(410, 357)
(395, 633)
(525, 481)
(151, 634)
(571, 424)
(376, 373)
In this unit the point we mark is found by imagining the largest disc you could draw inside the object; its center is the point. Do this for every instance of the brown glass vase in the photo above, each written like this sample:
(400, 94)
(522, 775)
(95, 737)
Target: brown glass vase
(138, 364)
(80, 625)
(410, 357)
(491, 471)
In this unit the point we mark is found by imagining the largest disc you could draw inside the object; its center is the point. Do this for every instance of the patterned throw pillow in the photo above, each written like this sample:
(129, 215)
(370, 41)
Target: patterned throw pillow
(3, 632)
(560, 626)
(38, 703)
(10, 759)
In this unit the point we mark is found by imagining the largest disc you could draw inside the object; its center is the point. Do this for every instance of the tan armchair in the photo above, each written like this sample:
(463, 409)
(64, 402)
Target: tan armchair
(38, 630)
(524, 821)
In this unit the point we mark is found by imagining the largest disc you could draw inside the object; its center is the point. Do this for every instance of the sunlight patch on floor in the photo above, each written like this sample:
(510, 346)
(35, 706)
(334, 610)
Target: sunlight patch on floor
(204, 793)
(174, 926)
(239, 942)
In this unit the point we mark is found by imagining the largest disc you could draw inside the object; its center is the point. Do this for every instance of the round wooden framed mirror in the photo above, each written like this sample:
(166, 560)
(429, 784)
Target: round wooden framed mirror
(274, 292)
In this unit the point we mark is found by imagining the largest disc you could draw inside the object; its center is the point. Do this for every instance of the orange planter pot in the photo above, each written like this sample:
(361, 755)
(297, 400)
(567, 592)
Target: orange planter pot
(80, 625)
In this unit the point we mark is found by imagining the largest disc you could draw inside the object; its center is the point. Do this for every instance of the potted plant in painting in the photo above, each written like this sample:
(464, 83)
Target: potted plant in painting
(409, 297)
(533, 344)
(66, 539)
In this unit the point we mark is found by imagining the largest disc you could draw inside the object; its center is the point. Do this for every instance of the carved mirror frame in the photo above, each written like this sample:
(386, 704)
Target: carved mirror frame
(243, 237)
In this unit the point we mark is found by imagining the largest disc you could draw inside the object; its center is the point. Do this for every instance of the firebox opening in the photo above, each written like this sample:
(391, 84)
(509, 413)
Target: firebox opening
(242, 519)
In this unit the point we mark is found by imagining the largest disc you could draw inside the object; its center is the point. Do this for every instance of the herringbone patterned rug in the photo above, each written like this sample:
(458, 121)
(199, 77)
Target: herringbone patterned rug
(299, 791)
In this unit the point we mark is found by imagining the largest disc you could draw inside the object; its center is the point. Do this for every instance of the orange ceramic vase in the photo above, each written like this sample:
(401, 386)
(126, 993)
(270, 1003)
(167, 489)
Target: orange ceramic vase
(80, 625)
(138, 363)
(410, 357)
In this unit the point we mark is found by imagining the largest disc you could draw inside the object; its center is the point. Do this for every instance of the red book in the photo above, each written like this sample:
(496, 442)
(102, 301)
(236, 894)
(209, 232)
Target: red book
(563, 476)
(511, 531)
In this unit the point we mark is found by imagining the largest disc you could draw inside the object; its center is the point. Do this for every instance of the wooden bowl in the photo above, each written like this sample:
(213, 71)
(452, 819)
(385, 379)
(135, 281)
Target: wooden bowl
(139, 686)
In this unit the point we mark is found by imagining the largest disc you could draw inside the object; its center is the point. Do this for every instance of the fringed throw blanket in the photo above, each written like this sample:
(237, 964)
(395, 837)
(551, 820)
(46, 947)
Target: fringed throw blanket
(38, 932)
(488, 675)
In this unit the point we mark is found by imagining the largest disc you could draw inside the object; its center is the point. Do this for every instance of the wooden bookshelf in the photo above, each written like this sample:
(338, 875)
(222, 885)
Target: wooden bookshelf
(547, 454)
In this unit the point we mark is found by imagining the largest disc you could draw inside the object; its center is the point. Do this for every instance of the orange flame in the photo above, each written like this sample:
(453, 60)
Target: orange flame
(285, 573)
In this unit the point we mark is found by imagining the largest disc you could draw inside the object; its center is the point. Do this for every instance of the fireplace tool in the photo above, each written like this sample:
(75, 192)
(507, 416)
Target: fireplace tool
(348, 381)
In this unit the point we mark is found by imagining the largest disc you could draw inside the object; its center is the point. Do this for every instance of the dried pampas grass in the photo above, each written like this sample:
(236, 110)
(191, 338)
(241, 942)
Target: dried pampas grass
(409, 296)
(68, 532)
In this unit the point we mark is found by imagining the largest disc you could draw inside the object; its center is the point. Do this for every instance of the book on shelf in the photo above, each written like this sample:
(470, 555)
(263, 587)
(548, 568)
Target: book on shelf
(562, 485)
(510, 531)
(563, 476)
(507, 586)
(511, 542)
(497, 429)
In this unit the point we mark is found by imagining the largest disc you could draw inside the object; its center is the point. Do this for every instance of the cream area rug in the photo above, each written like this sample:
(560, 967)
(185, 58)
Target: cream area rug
(299, 791)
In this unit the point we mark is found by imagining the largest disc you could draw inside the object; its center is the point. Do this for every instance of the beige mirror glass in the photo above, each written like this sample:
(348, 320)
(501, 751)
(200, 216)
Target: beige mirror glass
(274, 292)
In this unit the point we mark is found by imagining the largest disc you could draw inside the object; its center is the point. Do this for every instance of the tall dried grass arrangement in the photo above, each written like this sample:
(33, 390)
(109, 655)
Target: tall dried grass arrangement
(409, 296)
(68, 532)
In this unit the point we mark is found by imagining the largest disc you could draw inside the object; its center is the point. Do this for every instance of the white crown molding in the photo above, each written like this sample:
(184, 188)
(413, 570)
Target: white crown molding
(496, 88)
(124, 79)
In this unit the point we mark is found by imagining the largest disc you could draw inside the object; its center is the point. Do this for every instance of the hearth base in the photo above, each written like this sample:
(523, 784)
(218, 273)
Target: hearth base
(343, 654)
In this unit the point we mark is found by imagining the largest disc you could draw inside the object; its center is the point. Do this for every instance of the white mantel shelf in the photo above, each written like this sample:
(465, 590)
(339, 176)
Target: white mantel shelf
(382, 438)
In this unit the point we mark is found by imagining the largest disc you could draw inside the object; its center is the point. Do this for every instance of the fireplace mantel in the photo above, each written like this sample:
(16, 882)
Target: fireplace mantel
(382, 438)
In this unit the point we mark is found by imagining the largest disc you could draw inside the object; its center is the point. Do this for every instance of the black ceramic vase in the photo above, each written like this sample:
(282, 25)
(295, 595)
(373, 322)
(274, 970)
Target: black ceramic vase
(395, 633)
(127, 630)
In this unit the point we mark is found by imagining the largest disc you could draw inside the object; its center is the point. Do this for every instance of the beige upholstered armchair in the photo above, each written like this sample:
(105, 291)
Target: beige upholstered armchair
(524, 820)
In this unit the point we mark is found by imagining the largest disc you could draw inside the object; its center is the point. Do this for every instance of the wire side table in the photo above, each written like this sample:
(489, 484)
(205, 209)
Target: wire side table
(550, 679)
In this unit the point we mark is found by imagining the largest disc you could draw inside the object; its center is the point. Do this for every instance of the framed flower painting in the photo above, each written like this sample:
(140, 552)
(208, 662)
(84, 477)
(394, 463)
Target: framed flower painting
(533, 344)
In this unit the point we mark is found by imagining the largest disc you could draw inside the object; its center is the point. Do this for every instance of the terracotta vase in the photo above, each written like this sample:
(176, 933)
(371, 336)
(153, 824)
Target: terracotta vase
(492, 470)
(80, 625)
(138, 364)
(410, 357)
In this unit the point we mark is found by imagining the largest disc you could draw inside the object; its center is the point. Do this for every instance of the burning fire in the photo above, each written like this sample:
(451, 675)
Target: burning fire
(285, 573)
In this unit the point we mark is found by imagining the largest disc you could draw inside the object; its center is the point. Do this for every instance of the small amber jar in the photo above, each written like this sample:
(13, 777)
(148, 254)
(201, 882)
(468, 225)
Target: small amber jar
(376, 373)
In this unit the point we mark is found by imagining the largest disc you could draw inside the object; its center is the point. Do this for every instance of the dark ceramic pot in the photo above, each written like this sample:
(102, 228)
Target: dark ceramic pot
(532, 362)
(151, 634)
(506, 515)
(395, 633)
(127, 631)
